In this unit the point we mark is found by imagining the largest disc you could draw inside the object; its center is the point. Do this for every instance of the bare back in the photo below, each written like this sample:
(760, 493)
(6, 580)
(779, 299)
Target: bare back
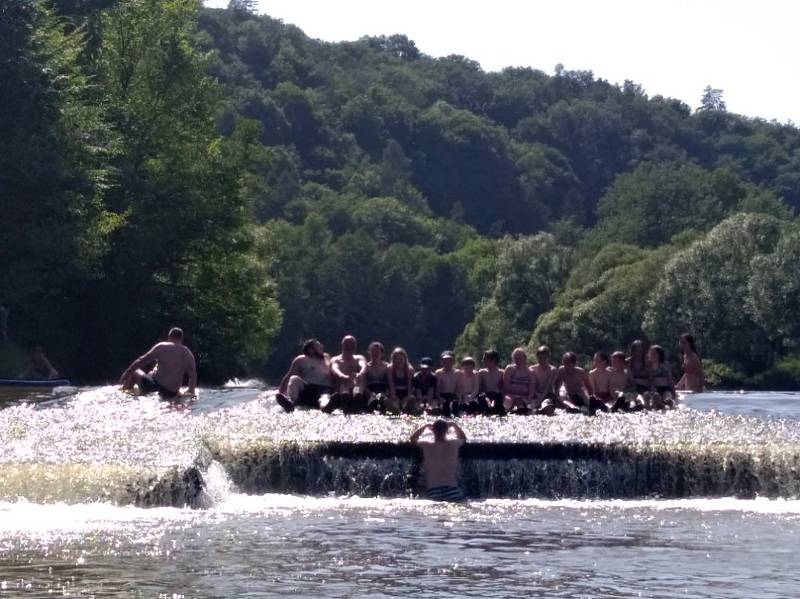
(441, 462)
(173, 361)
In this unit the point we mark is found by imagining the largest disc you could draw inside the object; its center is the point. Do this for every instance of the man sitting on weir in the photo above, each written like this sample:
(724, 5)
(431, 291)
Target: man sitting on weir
(440, 460)
(348, 370)
(173, 363)
(308, 382)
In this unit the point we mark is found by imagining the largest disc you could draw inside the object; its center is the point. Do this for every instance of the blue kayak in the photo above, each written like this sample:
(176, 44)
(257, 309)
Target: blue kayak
(34, 383)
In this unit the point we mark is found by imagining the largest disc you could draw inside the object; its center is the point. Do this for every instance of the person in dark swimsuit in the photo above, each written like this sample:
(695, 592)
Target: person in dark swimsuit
(637, 366)
(661, 379)
(400, 376)
(424, 384)
(375, 385)
(490, 398)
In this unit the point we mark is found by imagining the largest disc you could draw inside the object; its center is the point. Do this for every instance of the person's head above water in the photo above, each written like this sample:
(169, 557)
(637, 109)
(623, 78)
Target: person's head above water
(439, 429)
(349, 344)
(175, 335)
(313, 348)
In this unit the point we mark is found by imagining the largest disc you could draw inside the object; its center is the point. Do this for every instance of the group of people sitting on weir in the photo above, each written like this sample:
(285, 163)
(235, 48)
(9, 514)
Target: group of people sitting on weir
(354, 384)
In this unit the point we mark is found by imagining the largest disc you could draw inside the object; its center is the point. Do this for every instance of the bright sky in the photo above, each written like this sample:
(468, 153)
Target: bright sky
(748, 48)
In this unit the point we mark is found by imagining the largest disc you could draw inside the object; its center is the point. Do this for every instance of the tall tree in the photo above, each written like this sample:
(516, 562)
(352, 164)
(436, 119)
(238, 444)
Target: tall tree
(183, 255)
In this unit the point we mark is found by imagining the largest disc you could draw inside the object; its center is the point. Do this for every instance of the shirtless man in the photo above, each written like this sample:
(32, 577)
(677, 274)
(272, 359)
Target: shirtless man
(308, 381)
(440, 460)
(490, 398)
(519, 385)
(468, 386)
(622, 386)
(173, 362)
(577, 383)
(447, 383)
(600, 375)
(348, 370)
(424, 384)
(544, 374)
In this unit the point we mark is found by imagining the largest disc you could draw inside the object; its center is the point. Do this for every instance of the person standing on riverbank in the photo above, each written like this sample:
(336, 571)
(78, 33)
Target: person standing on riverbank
(173, 363)
(440, 460)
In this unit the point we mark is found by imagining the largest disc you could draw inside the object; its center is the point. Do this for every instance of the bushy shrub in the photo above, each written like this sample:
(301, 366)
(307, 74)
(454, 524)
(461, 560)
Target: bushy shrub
(722, 375)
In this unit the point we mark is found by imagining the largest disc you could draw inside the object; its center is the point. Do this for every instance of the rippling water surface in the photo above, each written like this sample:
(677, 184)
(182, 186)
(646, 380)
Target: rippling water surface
(96, 442)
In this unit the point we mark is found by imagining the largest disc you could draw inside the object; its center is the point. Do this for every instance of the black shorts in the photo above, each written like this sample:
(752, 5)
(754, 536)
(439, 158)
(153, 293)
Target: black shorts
(147, 384)
(310, 394)
(492, 396)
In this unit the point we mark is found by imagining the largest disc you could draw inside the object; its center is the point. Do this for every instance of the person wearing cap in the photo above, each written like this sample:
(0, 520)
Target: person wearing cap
(467, 388)
(447, 382)
(424, 384)
(490, 397)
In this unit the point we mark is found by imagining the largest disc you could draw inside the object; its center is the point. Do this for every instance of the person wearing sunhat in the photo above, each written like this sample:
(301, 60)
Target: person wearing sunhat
(424, 384)
(447, 382)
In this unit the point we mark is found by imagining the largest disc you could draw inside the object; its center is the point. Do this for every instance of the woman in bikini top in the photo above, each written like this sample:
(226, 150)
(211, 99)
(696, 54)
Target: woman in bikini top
(376, 379)
(401, 374)
(637, 366)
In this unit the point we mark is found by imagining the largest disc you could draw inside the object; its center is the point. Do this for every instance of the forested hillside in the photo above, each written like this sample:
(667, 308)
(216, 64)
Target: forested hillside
(221, 170)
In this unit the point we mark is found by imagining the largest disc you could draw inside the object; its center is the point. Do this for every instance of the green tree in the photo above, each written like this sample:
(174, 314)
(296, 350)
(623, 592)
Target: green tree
(773, 296)
(53, 168)
(183, 255)
(704, 290)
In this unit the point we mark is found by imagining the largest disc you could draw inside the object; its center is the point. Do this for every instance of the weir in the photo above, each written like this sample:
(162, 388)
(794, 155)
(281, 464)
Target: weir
(518, 470)
(102, 445)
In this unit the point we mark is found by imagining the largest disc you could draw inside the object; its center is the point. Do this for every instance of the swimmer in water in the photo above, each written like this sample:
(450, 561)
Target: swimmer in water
(440, 460)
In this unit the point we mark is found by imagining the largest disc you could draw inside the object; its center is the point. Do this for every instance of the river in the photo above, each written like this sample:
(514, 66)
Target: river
(89, 482)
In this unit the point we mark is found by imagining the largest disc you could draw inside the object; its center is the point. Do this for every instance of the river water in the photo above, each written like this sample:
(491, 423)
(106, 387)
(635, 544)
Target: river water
(87, 478)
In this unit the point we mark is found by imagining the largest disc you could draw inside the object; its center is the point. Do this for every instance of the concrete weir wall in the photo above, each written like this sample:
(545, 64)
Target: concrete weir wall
(546, 470)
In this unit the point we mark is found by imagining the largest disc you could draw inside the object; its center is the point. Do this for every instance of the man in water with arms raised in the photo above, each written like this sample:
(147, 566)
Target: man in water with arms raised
(440, 459)
(308, 381)
(348, 370)
(173, 363)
